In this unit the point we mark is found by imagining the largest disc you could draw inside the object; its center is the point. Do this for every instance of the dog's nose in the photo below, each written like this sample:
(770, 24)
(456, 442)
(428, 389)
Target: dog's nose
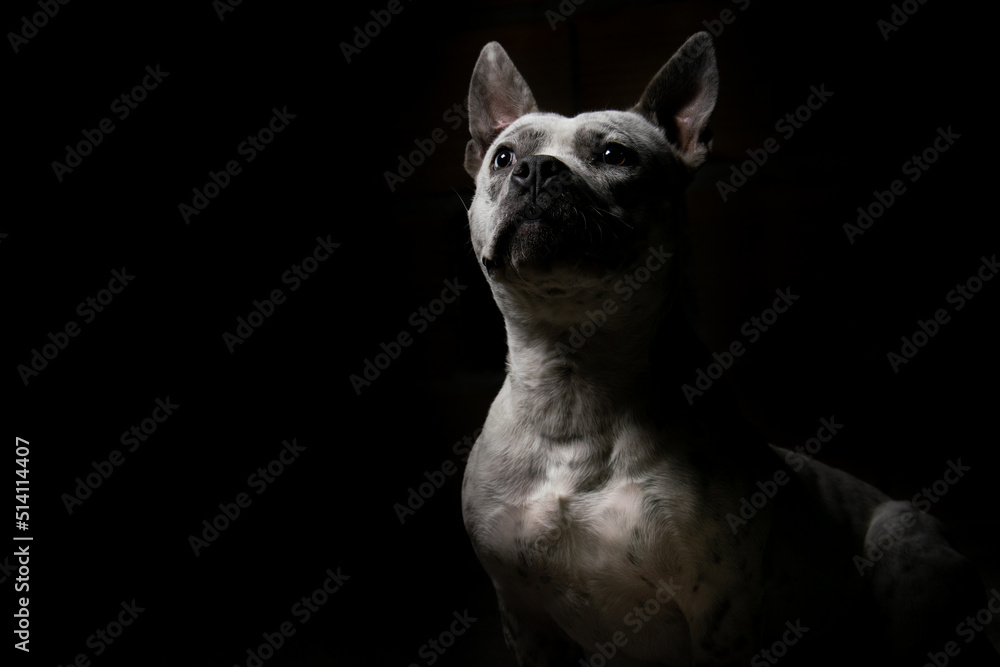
(538, 173)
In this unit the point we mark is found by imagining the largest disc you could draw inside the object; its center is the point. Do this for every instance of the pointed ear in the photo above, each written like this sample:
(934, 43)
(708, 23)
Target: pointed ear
(498, 95)
(681, 98)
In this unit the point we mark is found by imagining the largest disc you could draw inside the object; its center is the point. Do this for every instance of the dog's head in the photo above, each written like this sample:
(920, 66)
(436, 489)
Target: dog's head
(565, 206)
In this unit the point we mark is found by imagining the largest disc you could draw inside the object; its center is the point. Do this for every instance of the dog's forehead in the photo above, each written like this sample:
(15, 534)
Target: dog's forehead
(549, 133)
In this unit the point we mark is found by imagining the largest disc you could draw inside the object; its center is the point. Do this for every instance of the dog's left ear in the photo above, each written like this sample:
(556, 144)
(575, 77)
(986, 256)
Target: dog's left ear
(681, 98)
(498, 95)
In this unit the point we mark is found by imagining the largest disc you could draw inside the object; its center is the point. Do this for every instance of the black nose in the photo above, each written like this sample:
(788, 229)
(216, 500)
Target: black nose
(539, 173)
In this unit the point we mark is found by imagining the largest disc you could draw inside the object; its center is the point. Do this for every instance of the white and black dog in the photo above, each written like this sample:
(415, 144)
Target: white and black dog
(595, 497)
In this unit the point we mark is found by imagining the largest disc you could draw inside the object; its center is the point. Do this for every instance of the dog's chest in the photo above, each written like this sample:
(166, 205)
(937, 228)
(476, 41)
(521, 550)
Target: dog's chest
(605, 536)
(573, 515)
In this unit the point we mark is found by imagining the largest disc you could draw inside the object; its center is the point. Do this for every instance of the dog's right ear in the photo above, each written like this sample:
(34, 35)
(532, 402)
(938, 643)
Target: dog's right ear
(681, 98)
(498, 95)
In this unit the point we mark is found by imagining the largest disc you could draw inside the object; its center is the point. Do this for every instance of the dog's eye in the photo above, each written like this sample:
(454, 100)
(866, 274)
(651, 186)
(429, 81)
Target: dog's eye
(504, 158)
(617, 155)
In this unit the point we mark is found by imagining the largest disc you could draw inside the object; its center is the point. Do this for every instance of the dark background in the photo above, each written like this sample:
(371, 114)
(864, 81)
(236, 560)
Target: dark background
(325, 176)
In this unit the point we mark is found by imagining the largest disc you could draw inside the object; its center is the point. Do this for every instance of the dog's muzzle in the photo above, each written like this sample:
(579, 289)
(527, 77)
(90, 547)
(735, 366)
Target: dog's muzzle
(540, 213)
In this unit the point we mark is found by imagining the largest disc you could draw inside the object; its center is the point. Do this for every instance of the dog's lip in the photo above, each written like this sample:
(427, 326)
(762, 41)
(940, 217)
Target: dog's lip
(563, 287)
(532, 214)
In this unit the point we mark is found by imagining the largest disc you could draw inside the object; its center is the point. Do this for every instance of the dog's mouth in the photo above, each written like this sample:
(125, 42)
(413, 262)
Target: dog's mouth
(566, 235)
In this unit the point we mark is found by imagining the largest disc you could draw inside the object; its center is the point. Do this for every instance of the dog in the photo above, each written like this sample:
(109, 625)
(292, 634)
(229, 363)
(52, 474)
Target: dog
(596, 497)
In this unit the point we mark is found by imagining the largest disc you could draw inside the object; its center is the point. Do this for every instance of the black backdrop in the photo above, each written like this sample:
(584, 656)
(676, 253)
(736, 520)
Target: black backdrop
(322, 180)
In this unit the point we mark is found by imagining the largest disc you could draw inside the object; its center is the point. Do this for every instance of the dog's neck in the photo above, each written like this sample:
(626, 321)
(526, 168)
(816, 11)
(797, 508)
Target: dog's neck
(634, 364)
(605, 355)
(574, 364)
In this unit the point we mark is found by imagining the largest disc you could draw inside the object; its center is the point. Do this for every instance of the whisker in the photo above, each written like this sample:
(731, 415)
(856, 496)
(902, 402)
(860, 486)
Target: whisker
(614, 216)
(460, 199)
